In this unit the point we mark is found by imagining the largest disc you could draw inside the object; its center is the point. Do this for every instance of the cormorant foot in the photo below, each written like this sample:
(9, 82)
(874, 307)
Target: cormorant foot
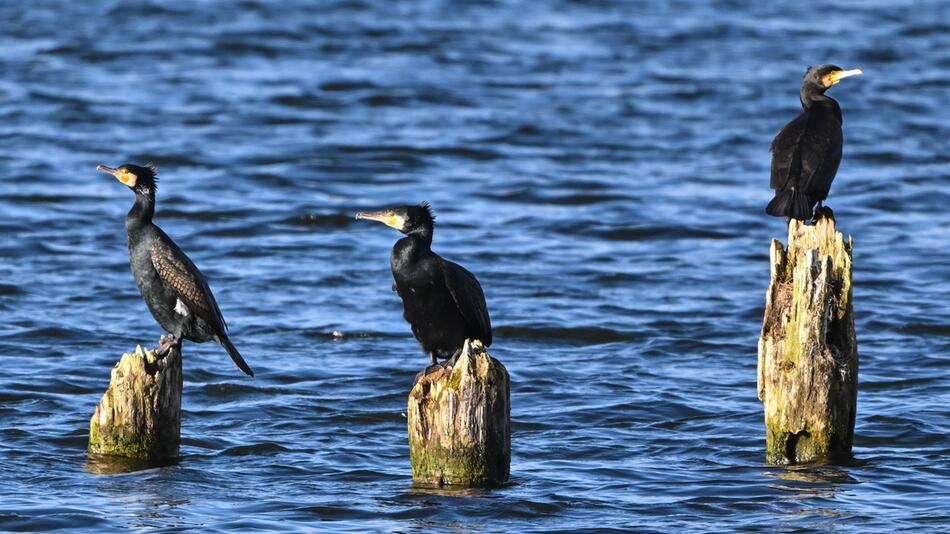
(823, 211)
(427, 371)
(455, 357)
(165, 344)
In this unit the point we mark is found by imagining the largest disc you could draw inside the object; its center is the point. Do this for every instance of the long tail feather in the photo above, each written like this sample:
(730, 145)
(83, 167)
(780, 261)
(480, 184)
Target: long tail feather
(789, 203)
(234, 354)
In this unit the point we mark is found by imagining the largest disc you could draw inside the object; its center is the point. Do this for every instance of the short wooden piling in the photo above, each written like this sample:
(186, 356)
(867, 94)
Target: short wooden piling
(460, 422)
(139, 415)
(808, 357)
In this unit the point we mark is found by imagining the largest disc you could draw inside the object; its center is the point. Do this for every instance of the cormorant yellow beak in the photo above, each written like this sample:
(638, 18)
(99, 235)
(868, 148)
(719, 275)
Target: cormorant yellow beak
(838, 75)
(386, 217)
(125, 177)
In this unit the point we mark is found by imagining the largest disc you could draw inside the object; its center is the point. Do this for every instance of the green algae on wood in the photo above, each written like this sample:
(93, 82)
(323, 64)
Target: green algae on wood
(460, 422)
(139, 415)
(808, 357)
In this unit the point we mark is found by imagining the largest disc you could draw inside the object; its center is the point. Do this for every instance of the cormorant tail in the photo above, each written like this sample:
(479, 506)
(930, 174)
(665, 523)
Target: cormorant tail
(790, 203)
(234, 354)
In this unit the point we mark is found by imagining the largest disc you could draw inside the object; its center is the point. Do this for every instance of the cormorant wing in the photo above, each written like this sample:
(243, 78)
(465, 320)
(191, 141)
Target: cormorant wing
(470, 300)
(820, 157)
(785, 148)
(179, 273)
(806, 154)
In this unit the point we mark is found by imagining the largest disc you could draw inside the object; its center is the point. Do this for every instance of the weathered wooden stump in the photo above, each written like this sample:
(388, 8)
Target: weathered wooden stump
(460, 422)
(139, 415)
(808, 357)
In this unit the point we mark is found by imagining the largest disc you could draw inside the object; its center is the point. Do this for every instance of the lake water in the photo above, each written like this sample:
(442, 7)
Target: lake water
(601, 166)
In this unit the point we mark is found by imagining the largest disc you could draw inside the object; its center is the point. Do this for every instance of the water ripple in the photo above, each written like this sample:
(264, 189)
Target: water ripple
(601, 166)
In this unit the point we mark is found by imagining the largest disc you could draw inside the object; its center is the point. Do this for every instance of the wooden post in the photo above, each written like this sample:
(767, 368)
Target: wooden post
(808, 357)
(460, 422)
(139, 415)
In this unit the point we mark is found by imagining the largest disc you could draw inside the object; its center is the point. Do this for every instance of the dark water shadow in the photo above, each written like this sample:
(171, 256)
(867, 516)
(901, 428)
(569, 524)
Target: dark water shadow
(818, 479)
(102, 464)
(157, 500)
(420, 488)
(809, 493)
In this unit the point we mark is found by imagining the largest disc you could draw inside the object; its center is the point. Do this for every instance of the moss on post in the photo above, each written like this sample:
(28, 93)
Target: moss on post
(139, 415)
(460, 422)
(808, 357)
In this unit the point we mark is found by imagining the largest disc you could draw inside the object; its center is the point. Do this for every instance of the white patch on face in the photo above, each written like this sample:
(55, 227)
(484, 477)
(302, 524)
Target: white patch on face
(181, 309)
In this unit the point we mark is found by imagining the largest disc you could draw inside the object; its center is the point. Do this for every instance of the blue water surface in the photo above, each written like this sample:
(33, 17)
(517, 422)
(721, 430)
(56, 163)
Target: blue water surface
(601, 166)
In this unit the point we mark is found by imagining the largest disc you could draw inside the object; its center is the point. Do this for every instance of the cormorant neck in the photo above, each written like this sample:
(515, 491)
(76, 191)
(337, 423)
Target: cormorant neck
(409, 251)
(823, 103)
(422, 235)
(812, 94)
(411, 248)
(144, 207)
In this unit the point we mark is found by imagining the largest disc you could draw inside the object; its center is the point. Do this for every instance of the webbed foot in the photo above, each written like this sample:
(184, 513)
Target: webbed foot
(821, 212)
(427, 371)
(165, 344)
(455, 357)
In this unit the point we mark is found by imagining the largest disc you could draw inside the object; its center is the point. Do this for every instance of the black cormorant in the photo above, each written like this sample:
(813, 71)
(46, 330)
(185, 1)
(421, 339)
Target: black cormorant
(806, 153)
(173, 288)
(442, 301)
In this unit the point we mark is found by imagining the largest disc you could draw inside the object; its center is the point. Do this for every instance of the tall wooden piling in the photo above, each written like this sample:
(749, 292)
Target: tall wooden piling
(139, 415)
(808, 357)
(460, 422)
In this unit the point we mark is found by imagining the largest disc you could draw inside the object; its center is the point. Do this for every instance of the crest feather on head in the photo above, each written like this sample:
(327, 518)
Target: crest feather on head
(428, 209)
(151, 166)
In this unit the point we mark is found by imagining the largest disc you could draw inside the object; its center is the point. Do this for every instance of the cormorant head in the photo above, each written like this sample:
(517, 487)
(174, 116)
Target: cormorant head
(142, 180)
(406, 219)
(818, 79)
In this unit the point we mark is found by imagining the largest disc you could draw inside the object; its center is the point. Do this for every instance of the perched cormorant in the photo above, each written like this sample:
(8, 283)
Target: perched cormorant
(806, 153)
(442, 301)
(173, 288)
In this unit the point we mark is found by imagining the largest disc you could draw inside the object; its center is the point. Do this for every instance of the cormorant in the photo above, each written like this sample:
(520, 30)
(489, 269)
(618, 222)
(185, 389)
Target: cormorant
(442, 301)
(807, 151)
(173, 288)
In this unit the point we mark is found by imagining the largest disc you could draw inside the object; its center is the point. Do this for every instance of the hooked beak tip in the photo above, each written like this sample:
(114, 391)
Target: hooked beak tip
(848, 73)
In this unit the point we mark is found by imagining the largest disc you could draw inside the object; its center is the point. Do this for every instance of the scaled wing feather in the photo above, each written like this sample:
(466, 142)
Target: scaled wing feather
(176, 270)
